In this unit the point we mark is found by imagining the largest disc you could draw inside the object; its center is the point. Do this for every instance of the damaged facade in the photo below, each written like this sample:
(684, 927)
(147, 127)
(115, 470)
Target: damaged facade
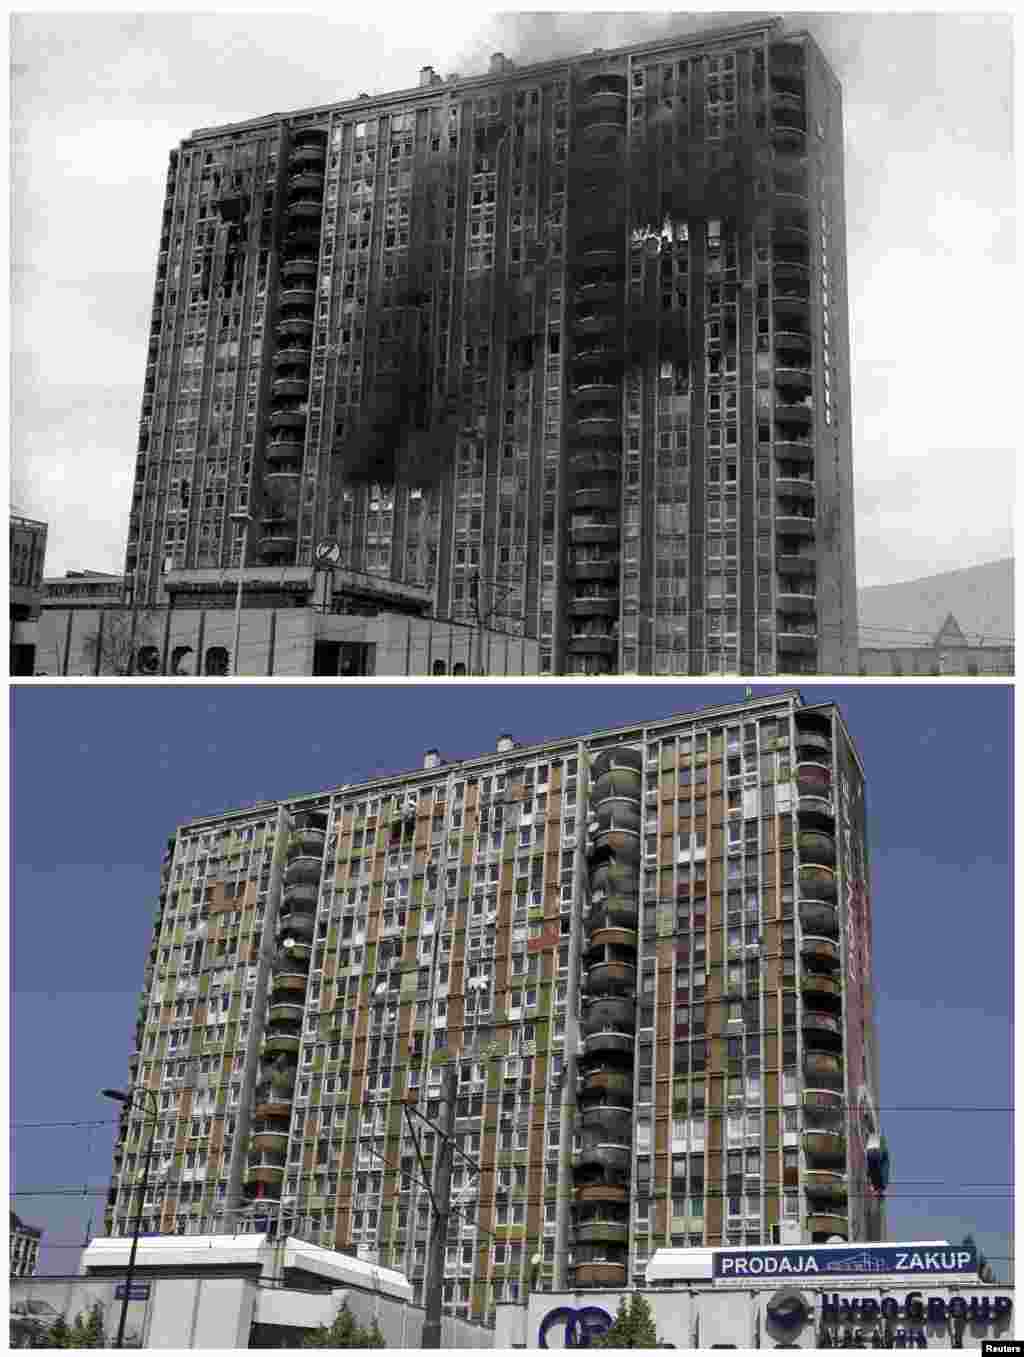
(564, 344)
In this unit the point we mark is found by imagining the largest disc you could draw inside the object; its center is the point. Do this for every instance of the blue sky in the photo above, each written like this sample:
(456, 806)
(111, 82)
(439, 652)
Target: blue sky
(102, 775)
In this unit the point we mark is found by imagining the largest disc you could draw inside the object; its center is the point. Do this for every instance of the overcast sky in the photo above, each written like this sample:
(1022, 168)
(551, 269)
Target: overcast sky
(98, 101)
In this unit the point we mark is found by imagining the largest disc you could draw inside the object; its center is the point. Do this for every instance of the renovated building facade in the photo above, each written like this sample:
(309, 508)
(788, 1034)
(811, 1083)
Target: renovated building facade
(648, 952)
(565, 344)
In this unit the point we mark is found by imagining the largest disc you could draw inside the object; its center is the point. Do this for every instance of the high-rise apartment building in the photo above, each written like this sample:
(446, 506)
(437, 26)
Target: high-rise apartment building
(647, 951)
(566, 344)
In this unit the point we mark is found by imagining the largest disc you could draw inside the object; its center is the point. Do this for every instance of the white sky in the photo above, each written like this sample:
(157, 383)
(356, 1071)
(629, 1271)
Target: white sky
(98, 101)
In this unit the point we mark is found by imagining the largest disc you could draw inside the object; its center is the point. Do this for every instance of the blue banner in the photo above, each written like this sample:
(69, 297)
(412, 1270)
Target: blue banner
(857, 1261)
(139, 1291)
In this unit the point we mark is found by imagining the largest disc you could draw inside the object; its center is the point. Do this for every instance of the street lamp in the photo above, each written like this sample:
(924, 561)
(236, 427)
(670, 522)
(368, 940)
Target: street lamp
(128, 1099)
(244, 517)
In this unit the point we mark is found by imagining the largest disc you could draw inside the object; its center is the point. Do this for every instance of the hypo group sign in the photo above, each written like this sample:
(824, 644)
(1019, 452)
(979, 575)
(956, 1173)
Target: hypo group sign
(569, 1328)
(750, 1264)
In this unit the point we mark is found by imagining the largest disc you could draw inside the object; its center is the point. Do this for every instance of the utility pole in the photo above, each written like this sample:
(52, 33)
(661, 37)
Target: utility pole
(434, 1279)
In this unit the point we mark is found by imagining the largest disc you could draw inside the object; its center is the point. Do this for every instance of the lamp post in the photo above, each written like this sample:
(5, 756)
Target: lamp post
(244, 517)
(128, 1099)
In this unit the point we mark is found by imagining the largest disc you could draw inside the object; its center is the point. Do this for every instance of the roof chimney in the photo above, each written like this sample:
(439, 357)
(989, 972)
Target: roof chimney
(505, 743)
(497, 63)
(426, 75)
(432, 758)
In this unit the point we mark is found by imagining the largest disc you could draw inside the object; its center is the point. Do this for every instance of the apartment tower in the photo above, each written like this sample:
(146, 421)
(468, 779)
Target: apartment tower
(565, 343)
(647, 952)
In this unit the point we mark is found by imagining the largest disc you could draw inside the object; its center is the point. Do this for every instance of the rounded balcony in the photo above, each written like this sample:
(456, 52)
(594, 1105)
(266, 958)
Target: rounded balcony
(813, 746)
(289, 387)
(796, 489)
(301, 927)
(619, 757)
(792, 348)
(609, 1042)
(613, 878)
(817, 883)
(297, 950)
(817, 847)
(825, 1147)
(826, 1187)
(594, 421)
(289, 326)
(821, 990)
(609, 1118)
(826, 1225)
(598, 497)
(601, 1192)
(605, 84)
(589, 605)
(603, 1080)
(282, 1043)
(594, 1275)
(305, 158)
(304, 209)
(295, 356)
(607, 1159)
(265, 1170)
(307, 841)
(825, 1107)
(298, 267)
(583, 534)
(602, 118)
(819, 918)
(822, 1065)
(284, 984)
(610, 977)
(798, 414)
(816, 812)
(615, 912)
(287, 419)
(594, 570)
(301, 299)
(591, 643)
(789, 449)
(285, 1011)
(795, 603)
(797, 564)
(284, 454)
(274, 1103)
(303, 870)
(813, 778)
(791, 523)
(598, 1231)
(301, 896)
(822, 949)
(608, 1015)
(792, 638)
(610, 936)
(617, 781)
(821, 1031)
(269, 1138)
(306, 183)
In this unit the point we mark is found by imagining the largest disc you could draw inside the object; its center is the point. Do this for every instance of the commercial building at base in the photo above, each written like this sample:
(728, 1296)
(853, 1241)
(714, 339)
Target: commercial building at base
(647, 950)
(572, 335)
(229, 1292)
(293, 622)
(924, 1294)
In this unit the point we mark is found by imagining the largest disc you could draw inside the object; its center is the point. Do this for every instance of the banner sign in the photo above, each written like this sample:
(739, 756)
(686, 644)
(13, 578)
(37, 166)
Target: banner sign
(744, 1264)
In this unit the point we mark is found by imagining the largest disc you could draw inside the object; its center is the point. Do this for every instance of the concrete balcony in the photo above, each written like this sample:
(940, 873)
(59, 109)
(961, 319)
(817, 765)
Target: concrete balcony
(616, 1016)
(817, 987)
(303, 870)
(609, 1042)
(824, 1225)
(284, 984)
(603, 1080)
(610, 936)
(602, 1192)
(610, 977)
(822, 949)
(825, 1147)
(281, 1044)
(609, 1158)
(601, 1232)
(300, 895)
(817, 847)
(600, 1274)
(272, 1140)
(825, 1189)
(286, 1012)
(819, 918)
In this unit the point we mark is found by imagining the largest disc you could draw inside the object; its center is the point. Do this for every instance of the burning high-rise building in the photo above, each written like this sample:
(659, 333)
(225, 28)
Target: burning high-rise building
(565, 344)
